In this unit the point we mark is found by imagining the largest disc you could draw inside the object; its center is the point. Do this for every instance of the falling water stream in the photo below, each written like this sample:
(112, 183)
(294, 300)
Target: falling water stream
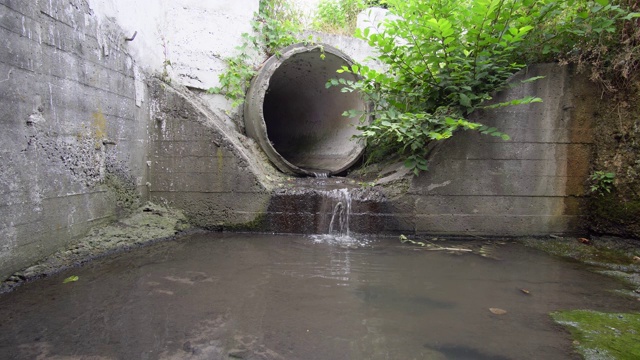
(337, 203)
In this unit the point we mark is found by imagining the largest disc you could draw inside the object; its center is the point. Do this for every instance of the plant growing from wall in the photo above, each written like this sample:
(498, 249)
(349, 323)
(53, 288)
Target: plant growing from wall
(164, 76)
(443, 60)
(601, 182)
(274, 27)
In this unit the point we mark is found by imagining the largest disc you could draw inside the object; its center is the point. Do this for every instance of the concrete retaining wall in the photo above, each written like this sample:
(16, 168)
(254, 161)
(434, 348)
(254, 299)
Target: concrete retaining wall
(72, 127)
(530, 185)
(198, 164)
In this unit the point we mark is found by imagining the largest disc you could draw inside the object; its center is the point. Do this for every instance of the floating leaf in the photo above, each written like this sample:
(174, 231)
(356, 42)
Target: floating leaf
(498, 311)
(71, 278)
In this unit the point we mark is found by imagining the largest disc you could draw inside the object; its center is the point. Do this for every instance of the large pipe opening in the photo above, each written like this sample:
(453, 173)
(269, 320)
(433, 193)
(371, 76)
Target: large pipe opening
(296, 120)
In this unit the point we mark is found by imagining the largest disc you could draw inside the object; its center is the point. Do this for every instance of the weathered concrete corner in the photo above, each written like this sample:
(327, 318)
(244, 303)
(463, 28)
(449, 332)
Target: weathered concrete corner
(214, 174)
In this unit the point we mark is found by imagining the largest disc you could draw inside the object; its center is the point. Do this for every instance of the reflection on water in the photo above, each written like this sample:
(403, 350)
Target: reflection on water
(219, 296)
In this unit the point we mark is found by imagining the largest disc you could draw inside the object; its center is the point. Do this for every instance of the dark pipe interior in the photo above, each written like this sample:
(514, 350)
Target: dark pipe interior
(304, 119)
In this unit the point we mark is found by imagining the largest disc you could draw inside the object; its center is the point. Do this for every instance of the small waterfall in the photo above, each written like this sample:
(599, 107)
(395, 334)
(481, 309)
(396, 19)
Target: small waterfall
(321, 175)
(339, 224)
(336, 211)
(338, 206)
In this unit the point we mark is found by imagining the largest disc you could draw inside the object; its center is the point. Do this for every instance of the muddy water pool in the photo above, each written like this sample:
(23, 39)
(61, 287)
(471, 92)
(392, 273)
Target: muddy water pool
(247, 296)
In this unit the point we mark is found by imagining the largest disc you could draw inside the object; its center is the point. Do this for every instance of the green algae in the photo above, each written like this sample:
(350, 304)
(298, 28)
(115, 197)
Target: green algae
(603, 335)
(147, 224)
(609, 253)
(125, 192)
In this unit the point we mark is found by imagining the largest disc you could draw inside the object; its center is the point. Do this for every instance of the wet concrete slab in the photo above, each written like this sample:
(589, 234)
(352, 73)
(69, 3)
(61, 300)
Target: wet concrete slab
(251, 296)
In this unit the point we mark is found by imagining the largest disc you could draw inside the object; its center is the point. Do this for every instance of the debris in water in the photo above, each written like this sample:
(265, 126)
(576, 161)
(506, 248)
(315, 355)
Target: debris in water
(431, 246)
(71, 278)
(584, 241)
(404, 239)
(498, 311)
(525, 291)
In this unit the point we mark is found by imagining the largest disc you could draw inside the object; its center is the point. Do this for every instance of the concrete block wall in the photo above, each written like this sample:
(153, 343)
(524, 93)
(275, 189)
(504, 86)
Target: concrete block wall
(72, 119)
(200, 165)
(530, 185)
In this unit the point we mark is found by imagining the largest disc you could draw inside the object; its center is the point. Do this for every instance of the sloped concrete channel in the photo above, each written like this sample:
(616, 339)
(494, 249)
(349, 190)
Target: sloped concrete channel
(296, 120)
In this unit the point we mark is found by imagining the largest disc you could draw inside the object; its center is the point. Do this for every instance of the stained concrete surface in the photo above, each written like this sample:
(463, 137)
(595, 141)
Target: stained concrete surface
(533, 184)
(68, 120)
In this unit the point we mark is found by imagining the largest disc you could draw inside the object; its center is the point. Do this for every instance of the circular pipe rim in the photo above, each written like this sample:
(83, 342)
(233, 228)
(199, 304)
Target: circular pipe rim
(255, 124)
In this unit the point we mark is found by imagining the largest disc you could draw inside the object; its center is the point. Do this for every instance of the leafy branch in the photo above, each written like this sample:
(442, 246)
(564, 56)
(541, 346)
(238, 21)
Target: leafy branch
(437, 73)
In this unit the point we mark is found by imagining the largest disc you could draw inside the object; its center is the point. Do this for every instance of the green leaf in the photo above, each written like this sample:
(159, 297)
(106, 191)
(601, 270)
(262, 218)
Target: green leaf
(410, 163)
(71, 278)
(602, 2)
(464, 100)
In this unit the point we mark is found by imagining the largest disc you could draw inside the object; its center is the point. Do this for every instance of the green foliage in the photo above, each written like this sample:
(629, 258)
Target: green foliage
(444, 58)
(276, 24)
(274, 28)
(602, 36)
(601, 182)
(338, 16)
(240, 71)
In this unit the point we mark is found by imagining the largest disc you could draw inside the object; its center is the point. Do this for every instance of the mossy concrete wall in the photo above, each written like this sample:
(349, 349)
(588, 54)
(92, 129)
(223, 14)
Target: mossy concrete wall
(616, 150)
(82, 142)
(72, 116)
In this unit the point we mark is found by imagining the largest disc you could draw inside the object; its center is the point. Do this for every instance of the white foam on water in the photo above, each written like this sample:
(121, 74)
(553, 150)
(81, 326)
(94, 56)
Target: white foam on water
(340, 240)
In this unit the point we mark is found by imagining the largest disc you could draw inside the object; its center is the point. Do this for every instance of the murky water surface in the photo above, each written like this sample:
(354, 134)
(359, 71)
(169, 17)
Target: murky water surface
(215, 296)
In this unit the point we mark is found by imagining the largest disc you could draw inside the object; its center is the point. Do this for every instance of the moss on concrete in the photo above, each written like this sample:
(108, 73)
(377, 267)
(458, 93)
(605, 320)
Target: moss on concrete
(612, 253)
(612, 213)
(257, 224)
(125, 192)
(148, 224)
(616, 145)
(603, 335)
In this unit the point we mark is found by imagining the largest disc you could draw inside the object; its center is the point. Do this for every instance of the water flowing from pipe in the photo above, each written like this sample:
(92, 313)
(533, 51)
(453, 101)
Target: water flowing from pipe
(338, 232)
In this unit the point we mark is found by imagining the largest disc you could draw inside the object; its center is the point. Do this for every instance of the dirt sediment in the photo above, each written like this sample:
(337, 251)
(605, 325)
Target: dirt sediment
(148, 224)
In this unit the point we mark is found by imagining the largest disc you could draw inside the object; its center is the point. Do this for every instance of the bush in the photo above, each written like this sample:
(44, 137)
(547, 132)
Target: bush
(443, 59)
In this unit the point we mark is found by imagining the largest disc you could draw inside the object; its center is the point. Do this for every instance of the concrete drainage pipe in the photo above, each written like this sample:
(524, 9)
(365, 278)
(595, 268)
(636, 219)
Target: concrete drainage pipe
(296, 120)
